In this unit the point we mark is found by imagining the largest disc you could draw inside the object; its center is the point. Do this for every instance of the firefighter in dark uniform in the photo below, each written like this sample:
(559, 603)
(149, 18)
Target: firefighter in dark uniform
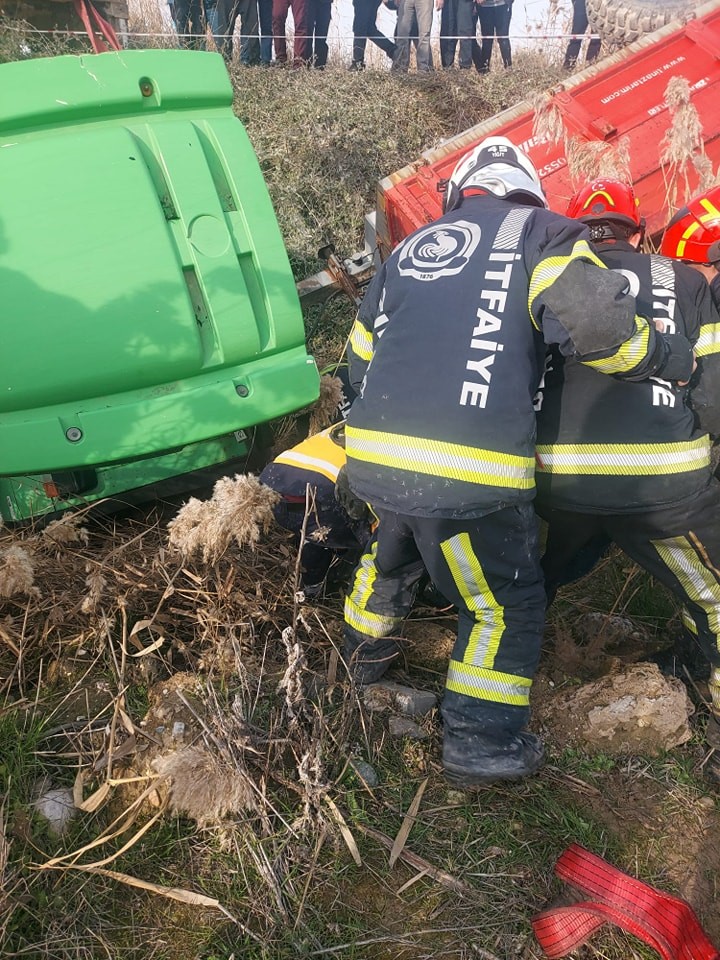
(631, 460)
(305, 477)
(693, 236)
(447, 353)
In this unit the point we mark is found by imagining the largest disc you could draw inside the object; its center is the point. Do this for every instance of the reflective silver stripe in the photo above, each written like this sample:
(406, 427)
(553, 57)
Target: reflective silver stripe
(372, 624)
(709, 340)
(699, 583)
(436, 458)
(488, 684)
(302, 460)
(489, 626)
(617, 458)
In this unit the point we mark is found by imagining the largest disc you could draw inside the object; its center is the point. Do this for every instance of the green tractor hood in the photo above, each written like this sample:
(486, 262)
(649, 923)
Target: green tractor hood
(148, 301)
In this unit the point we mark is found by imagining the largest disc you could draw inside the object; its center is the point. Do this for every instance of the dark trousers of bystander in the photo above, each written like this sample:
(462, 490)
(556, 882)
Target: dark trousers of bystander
(228, 12)
(494, 24)
(266, 30)
(579, 26)
(302, 52)
(365, 28)
(190, 21)
(458, 18)
(319, 14)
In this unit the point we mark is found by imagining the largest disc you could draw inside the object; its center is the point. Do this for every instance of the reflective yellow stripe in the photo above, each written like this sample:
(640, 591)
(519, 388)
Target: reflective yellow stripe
(629, 354)
(624, 459)
(356, 613)
(698, 582)
(439, 459)
(489, 625)
(365, 576)
(685, 237)
(712, 211)
(488, 684)
(361, 341)
(709, 340)
(371, 624)
(296, 459)
(688, 622)
(319, 454)
(547, 271)
(714, 687)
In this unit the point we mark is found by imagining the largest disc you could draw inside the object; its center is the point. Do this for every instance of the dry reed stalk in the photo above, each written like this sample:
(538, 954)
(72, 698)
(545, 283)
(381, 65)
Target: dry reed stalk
(324, 410)
(239, 509)
(548, 123)
(593, 159)
(17, 573)
(60, 533)
(682, 147)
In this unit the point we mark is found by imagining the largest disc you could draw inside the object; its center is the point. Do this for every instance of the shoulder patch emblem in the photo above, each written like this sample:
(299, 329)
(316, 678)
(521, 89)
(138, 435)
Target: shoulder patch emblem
(442, 250)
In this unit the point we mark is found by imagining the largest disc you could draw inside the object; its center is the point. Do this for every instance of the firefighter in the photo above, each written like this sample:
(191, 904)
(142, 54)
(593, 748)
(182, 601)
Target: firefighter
(631, 460)
(447, 353)
(693, 236)
(305, 477)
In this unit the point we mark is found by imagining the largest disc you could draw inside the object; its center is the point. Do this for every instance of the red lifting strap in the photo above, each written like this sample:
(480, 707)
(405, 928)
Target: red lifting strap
(89, 13)
(668, 924)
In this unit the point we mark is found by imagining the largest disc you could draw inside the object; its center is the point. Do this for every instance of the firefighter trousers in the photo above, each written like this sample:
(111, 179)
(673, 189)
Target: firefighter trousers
(489, 569)
(678, 544)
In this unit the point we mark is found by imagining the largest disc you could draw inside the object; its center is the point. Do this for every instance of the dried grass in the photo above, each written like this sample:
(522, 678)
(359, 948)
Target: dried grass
(682, 148)
(324, 410)
(67, 530)
(593, 159)
(204, 786)
(239, 509)
(548, 123)
(17, 572)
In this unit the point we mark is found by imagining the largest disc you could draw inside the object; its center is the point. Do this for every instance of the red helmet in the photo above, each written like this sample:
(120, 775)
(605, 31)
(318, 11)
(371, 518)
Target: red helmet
(694, 232)
(606, 200)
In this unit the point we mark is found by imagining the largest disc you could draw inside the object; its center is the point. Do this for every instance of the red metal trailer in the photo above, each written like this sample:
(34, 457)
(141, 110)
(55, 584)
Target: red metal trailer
(622, 96)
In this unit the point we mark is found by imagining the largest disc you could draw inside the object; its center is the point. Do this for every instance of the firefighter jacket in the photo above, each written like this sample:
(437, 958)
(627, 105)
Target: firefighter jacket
(316, 461)
(611, 446)
(705, 395)
(448, 350)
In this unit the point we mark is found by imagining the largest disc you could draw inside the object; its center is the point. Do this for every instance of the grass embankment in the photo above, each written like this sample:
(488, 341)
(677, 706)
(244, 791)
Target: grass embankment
(116, 652)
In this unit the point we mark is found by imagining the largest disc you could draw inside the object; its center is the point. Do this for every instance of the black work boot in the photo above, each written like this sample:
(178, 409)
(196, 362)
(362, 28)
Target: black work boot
(369, 660)
(476, 761)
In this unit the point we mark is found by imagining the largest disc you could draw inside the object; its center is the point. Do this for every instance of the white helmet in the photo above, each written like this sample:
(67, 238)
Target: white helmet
(498, 166)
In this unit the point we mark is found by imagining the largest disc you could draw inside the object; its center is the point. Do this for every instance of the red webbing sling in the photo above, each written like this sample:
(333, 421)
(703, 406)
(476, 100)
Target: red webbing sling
(666, 923)
(88, 13)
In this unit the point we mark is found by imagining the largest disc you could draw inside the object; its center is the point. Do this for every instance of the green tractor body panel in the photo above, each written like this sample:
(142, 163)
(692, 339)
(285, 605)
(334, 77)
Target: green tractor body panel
(148, 300)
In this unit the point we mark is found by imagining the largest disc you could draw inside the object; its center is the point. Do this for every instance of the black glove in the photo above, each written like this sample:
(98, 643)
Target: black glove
(355, 508)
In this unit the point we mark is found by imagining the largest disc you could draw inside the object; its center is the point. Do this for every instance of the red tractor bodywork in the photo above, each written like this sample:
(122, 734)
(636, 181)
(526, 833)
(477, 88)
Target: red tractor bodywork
(622, 96)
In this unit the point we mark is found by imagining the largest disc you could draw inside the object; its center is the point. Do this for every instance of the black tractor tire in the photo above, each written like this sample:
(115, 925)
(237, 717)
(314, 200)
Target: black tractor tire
(623, 21)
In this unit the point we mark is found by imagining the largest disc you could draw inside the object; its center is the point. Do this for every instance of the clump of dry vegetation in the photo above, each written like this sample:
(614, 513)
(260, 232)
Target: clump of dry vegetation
(240, 509)
(682, 148)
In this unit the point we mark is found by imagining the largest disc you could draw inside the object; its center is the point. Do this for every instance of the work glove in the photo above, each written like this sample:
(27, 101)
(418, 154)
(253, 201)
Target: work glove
(355, 508)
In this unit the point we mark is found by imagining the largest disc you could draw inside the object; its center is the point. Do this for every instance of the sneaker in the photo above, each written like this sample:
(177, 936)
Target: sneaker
(478, 761)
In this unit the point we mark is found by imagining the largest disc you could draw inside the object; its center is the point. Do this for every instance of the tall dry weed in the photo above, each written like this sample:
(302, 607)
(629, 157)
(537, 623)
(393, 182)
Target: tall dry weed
(205, 786)
(17, 572)
(593, 159)
(682, 148)
(240, 509)
(325, 408)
